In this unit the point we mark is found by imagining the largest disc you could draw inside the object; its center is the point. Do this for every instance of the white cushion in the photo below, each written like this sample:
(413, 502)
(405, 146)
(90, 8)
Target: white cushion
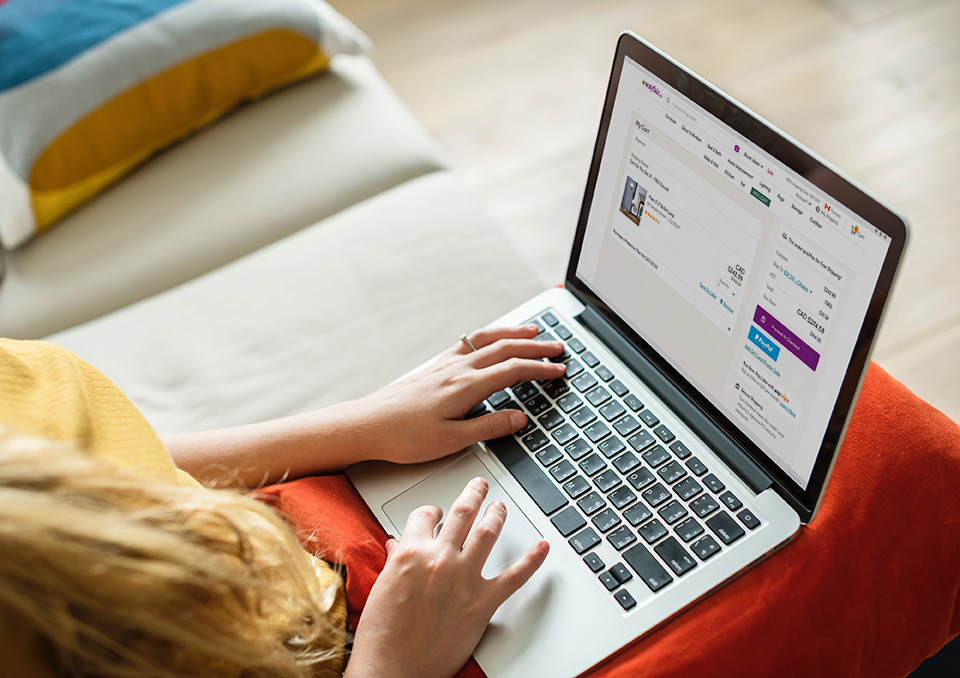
(327, 314)
(266, 171)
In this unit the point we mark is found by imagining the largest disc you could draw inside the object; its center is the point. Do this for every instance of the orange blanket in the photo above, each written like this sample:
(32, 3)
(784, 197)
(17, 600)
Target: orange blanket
(870, 588)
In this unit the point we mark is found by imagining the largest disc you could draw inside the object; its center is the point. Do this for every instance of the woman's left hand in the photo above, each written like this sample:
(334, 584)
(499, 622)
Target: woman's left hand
(421, 417)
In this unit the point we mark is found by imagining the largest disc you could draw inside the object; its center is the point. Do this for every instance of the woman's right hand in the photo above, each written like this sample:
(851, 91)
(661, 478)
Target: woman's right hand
(430, 606)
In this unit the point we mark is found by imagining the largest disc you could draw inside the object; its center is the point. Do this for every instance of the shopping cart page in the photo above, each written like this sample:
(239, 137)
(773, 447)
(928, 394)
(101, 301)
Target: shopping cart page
(747, 278)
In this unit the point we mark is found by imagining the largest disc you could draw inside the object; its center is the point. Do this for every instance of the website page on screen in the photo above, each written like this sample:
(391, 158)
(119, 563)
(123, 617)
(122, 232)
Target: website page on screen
(748, 279)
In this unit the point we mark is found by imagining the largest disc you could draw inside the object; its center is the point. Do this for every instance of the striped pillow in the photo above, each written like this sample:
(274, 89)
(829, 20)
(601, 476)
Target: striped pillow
(91, 88)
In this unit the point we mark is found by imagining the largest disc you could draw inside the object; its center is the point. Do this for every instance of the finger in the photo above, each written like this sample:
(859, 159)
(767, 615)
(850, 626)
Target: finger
(504, 349)
(507, 373)
(390, 546)
(422, 522)
(463, 512)
(515, 576)
(484, 536)
(487, 336)
(487, 427)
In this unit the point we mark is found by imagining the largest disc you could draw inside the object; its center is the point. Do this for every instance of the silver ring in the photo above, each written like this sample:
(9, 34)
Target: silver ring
(466, 340)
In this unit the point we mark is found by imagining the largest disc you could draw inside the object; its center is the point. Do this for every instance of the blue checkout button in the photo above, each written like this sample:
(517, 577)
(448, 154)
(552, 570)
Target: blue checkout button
(764, 343)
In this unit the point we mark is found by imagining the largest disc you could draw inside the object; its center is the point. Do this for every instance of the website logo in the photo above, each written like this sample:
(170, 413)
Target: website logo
(826, 207)
(736, 148)
(653, 88)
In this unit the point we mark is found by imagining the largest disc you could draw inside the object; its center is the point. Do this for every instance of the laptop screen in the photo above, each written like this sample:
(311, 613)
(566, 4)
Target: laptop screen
(749, 279)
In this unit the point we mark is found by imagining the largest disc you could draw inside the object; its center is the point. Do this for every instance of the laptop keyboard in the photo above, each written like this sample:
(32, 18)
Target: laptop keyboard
(602, 466)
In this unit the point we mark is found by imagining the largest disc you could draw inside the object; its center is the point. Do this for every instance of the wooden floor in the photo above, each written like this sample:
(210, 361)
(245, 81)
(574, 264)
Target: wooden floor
(511, 90)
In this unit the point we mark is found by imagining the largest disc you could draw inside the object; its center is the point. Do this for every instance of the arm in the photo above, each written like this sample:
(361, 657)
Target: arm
(414, 420)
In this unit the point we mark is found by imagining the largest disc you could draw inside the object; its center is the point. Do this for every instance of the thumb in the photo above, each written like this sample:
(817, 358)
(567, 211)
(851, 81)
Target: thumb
(490, 426)
(390, 546)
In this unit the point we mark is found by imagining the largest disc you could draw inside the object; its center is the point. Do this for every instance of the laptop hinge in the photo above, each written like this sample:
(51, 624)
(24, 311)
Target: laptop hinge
(754, 475)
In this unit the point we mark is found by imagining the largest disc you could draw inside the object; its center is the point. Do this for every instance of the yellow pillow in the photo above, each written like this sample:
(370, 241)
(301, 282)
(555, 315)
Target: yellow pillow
(89, 89)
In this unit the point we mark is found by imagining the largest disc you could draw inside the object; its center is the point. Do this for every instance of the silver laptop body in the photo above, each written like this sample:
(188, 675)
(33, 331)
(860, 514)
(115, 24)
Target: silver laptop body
(724, 291)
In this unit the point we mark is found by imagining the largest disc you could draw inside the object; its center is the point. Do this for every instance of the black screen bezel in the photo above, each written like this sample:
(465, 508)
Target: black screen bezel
(775, 143)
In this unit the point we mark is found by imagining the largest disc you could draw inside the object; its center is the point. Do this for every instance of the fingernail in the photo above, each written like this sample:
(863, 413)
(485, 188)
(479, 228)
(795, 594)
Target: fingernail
(518, 419)
(500, 505)
(545, 547)
(532, 327)
(480, 482)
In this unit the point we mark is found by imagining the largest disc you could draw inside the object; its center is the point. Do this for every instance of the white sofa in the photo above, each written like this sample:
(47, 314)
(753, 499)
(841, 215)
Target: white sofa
(305, 250)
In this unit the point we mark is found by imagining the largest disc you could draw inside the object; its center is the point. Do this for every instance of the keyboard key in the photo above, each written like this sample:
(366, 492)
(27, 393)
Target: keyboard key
(531, 425)
(564, 434)
(578, 449)
(618, 388)
(549, 455)
(705, 547)
(672, 512)
(626, 462)
(477, 410)
(590, 359)
(573, 369)
(556, 388)
(656, 495)
(550, 319)
(704, 506)
(696, 466)
(687, 489)
(724, 527)
(576, 345)
(583, 416)
(536, 323)
(714, 483)
(611, 447)
(647, 567)
(621, 537)
(606, 520)
(597, 431)
(607, 480)
(656, 455)
(641, 440)
(526, 471)
(663, 433)
(621, 497)
(729, 499)
(584, 541)
(561, 358)
(621, 572)
(590, 503)
(604, 373)
(675, 556)
(569, 403)
(593, 464)
(626, 601)
(608, 580)
(637, 514)
(598, 396)
(576, 487)
(633, 402)
(534, 441)
(672, 472)
(568, 521)
(545, 336)
(562, 471)
(679, 449)
(510, 405)
(584, 382)
(689, 529)
(550, 419)
(524, 391)
(652, 531)
(750, 521)
(626, 426)
(649, 418)
(499, 398)
(611, 411)
(594, 562)
(563, 332)
(641, 478)
(537, 405)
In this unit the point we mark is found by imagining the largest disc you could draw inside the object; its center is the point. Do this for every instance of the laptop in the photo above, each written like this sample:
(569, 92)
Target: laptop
(723, 294)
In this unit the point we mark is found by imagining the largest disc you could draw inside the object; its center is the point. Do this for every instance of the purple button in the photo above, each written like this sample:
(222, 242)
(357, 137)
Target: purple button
(788, 339)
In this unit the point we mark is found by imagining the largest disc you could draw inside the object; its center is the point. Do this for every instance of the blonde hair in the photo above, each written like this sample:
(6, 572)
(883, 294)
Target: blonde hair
(121, 576)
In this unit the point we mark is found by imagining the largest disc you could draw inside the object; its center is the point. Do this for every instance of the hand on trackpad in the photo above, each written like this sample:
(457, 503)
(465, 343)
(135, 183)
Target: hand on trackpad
(443, 487)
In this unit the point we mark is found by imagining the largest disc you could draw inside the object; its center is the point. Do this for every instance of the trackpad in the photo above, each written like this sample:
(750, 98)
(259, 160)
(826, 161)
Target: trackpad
(443, 487)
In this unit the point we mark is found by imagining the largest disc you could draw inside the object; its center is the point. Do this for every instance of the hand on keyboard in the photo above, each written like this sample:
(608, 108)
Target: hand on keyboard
(428, 609)
(422, 417)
